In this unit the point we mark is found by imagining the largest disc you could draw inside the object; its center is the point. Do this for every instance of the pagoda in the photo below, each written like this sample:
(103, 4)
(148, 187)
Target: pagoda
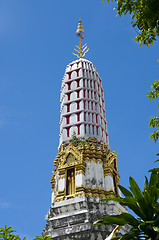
(85, 169)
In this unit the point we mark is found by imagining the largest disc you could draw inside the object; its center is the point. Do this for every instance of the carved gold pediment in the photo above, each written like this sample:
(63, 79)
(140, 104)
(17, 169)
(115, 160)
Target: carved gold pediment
(70, 158)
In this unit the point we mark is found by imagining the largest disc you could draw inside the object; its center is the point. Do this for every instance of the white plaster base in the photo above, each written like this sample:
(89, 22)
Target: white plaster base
(71, 219)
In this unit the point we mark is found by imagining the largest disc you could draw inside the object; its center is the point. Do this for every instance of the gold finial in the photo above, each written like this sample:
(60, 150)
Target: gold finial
(82, 50)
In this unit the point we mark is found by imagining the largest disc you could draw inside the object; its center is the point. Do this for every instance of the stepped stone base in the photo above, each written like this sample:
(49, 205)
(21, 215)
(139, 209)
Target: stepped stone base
(71, 219)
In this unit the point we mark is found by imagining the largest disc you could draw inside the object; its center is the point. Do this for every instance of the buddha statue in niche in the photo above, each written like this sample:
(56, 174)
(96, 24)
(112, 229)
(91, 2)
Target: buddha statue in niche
(70, 182)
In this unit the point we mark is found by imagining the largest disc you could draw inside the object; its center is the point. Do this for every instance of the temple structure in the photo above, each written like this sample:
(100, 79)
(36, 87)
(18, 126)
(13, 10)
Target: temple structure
(85, 167)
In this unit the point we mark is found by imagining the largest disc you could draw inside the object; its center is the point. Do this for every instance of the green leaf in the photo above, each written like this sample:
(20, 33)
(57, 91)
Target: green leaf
(132, 204)
(111, 193)
(115, 199)
(42, 238)
(114, 219)
(125, 191)
(146, 183)
(129, 218)
(153, 170)
(148, 198)
(156, 229)
(157, 159)
(138, 195)
(135, 189)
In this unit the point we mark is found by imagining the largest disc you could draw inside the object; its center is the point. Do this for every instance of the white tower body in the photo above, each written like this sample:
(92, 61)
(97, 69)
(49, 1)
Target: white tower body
(85, 168)
(82, 103)
(92, 164)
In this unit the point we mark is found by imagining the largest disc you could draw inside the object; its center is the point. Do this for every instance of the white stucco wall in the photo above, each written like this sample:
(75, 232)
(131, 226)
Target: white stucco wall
(61, 185)
(108, 182)
(79, 179)
(56, 187)
(94, 175)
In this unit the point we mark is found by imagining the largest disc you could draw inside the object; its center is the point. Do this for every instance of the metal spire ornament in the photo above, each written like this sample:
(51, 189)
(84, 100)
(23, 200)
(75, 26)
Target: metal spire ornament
(82, 50)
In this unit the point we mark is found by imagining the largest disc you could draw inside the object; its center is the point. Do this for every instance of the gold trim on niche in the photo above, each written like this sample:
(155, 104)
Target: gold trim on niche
(80, 171)
(73, 183)
(94, 150)
(61, 176)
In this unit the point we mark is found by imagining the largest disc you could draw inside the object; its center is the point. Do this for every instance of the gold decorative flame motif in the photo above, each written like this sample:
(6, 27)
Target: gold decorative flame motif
(81, 50)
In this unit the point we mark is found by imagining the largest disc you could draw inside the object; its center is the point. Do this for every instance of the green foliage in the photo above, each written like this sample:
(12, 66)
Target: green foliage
(157, 156)
(154, 93)
(154, 121)
(7, 233)
(74, 139)
(42, 238)
(77, 141)
(145, 206)
(145, 16)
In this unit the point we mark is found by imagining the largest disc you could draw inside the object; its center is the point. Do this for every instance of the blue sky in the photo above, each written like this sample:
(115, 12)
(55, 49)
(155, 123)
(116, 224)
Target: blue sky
(37, 39)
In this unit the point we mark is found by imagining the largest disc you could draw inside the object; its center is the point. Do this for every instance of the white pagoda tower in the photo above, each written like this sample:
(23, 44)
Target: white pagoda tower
(85, 167)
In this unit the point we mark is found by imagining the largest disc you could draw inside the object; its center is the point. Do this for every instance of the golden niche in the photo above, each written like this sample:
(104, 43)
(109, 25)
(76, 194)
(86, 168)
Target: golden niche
(71, 158)
(70, 181)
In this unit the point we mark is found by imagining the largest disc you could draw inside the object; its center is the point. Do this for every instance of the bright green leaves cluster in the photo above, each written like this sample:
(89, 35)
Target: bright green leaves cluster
(143, 203)
(77, 141)
(145, 16)
(121, 219)
(42, 238)
(154, 93)
(154, 121)
(8, 234)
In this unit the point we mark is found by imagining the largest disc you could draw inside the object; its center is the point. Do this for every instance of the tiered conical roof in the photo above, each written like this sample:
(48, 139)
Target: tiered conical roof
(82, 103)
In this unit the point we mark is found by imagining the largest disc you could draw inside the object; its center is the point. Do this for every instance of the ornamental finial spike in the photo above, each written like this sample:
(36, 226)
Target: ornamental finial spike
(82, 50)
(80, 31)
